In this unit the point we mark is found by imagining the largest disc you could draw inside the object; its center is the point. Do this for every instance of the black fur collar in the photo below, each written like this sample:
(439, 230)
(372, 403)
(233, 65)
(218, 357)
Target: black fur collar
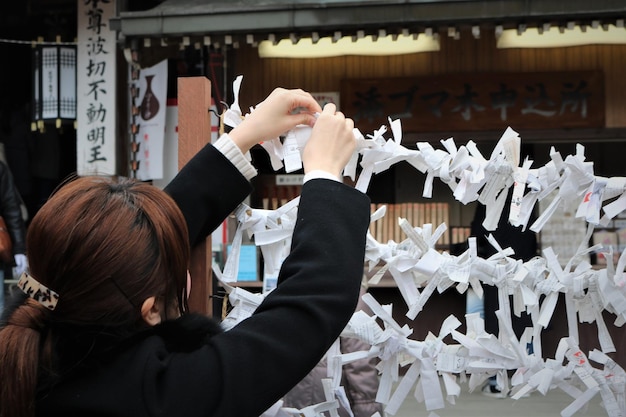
(187, 332)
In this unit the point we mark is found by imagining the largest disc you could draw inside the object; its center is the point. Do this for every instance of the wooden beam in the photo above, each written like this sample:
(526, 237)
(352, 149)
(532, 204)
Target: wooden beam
(194, 131)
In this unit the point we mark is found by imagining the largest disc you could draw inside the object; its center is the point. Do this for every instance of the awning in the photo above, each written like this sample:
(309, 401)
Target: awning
(176, 18)
(149, 36)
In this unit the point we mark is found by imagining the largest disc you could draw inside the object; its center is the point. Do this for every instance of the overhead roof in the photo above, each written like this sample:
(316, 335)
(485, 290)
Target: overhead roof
(210, 17)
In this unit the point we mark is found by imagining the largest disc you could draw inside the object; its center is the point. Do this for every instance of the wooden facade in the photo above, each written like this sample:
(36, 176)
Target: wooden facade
(476, 56)
(465, 55)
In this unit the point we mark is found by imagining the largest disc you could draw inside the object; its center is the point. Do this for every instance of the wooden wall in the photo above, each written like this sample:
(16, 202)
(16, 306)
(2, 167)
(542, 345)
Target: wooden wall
(456, 56)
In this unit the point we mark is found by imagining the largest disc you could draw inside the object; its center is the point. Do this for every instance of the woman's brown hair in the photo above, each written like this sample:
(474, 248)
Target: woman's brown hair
(104, 245)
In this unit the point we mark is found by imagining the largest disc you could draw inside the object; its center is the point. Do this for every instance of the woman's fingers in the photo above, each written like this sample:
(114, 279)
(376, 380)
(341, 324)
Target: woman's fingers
(331, 143)
(275, 116)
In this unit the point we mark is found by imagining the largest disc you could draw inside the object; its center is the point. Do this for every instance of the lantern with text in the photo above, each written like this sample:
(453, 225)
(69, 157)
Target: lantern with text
(54, 85)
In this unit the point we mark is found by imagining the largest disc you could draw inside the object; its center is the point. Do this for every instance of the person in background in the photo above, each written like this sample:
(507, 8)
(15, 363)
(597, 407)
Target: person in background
(17, 141)
(359, 378)
(11, 211)
(103, 326)
(524, 244)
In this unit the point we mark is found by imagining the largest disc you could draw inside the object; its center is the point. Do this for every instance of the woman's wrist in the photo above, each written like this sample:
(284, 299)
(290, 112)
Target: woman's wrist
(318, 173)
(244, 136)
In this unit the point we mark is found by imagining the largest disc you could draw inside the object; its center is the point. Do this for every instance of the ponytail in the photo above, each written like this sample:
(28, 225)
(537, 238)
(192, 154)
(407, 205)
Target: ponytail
(19, 359)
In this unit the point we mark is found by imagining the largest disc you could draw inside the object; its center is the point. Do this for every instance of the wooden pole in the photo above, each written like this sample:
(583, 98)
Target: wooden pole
(194, 131)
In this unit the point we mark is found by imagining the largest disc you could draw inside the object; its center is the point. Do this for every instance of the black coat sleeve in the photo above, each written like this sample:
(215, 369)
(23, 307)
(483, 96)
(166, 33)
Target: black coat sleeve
(207, 189)
(245, 370)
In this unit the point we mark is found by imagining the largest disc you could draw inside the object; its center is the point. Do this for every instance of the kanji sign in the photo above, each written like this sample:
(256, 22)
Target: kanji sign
(96, 117)
(478, 101)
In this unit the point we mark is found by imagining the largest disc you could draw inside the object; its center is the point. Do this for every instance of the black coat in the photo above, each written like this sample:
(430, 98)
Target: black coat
(11, 211)
(188, 367)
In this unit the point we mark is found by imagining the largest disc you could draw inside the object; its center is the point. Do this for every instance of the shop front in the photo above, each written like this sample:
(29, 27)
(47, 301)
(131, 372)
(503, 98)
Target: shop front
(466, 83)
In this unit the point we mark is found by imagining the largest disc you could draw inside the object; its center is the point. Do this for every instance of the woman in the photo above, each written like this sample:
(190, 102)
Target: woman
(100, 334)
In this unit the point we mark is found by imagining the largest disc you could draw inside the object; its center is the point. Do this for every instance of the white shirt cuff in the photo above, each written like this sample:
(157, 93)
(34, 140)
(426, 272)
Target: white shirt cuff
(231, 151)
(317, 174)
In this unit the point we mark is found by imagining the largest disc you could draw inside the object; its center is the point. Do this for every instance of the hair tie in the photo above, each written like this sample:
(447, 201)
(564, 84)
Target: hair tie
(37, 291)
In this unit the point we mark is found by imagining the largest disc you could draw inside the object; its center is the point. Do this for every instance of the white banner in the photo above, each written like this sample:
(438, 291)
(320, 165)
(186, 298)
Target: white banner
(170, 145)
(96, 89)
(152, 84)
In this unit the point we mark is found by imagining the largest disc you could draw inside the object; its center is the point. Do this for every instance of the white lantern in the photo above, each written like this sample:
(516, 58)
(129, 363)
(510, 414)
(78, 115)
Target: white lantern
(54, 84)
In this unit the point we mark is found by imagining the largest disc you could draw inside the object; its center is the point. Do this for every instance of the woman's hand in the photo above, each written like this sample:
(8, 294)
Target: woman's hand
(331, 144)
(280, 112)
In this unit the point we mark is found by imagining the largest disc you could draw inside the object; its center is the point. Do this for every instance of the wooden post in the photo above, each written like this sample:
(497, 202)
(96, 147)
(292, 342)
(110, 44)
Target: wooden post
(194, 131)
